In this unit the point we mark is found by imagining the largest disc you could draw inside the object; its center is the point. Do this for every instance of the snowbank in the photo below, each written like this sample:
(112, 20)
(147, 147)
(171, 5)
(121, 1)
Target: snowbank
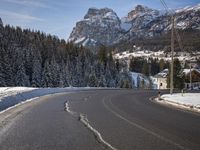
(11, 96)
(191, 100)
(11, 91)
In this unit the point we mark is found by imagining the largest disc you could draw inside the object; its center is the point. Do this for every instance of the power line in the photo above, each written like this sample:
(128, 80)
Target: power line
(172, 12)
(179, 39)
(172, 47)
(166, 7)
(163, 3)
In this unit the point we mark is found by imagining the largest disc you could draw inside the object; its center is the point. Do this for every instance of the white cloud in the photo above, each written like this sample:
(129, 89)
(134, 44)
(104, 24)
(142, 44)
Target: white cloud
(23, 17)
(28, 3)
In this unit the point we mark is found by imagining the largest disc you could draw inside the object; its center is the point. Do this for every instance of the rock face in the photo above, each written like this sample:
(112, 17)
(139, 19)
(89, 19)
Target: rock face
(188, 17)
(146, 22)
(103, 26)
(99, 26)
(140, 21)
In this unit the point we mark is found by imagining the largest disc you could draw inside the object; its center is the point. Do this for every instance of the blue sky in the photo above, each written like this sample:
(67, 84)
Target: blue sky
(58, 17)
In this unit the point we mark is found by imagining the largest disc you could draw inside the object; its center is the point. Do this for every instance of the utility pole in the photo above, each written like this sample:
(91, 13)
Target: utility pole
(190, 75)
(172, 57)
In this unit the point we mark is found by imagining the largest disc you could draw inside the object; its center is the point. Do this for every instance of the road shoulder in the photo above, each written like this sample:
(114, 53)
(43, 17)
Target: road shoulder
(9, 116)
(176, 105)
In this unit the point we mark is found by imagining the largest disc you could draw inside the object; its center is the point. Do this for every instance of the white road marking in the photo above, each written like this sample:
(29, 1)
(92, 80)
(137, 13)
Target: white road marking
(139, 126)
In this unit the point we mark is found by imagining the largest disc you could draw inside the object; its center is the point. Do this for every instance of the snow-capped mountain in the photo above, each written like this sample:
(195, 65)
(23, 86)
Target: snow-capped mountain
(189, 8)
(103, 26)
(188, 17)
(147, 22)
(140, 16)
(139, 20)
(99, 26)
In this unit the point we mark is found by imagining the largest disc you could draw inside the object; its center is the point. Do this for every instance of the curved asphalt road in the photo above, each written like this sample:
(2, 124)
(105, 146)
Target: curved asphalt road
(126, 119)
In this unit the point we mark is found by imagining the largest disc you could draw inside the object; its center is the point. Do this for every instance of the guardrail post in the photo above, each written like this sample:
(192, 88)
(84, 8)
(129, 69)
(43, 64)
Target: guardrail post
(159, 95)
(182, 91)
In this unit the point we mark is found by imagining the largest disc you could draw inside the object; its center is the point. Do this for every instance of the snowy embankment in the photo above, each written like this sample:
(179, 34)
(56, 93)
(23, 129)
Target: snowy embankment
(12, 96)
(186, 100)
(139, 80)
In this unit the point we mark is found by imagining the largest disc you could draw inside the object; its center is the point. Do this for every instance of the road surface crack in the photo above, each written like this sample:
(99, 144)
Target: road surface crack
(83, 119)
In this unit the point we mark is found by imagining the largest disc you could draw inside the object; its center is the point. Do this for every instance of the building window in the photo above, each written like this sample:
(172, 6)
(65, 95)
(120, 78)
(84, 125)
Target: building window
(160, 84)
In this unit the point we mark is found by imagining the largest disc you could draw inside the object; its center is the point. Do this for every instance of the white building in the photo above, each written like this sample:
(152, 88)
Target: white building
(160, 79)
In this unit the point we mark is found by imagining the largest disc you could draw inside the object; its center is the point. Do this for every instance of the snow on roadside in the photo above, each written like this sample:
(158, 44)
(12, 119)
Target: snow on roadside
(3, 89)
(13, 96)
(17, 104)
(187, 99)
(11, 91)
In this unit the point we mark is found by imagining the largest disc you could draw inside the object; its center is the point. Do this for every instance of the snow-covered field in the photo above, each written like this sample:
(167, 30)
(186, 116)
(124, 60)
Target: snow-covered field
(141, 53)
(11, 96)
(151, 54)
(191, 100)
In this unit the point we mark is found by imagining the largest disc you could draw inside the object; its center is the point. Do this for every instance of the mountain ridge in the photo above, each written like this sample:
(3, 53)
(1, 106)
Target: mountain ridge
(141, 22)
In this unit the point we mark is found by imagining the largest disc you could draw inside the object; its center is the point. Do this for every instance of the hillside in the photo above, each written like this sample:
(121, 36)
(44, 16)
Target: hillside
(189, 39)
(34, 59)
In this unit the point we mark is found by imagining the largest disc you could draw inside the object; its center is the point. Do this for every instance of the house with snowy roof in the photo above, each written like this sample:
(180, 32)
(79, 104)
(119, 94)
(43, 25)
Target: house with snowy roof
(195, 78)
(160, 79)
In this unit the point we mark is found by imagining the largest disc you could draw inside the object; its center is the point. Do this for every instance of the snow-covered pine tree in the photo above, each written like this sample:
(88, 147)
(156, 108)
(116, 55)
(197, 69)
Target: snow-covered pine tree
(54, 72)
(46, 75)
(48, 61)
(37, 71)
(63, 73)
(92, 80)
(21, 79)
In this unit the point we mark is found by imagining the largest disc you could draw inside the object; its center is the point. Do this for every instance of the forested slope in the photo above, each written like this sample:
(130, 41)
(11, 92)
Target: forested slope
(29, 58)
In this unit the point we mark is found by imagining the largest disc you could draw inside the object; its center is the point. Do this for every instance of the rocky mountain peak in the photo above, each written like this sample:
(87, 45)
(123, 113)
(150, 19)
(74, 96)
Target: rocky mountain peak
(94, 12)
(102, 25)
(91, 12)
(141, 10)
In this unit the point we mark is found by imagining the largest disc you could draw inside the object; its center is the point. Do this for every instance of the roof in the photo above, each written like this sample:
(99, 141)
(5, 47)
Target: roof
(187, 71)
(162, 74)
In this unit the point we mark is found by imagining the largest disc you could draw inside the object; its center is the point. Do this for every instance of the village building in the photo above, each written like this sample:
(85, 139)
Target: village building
(160, 79)
(195, 78)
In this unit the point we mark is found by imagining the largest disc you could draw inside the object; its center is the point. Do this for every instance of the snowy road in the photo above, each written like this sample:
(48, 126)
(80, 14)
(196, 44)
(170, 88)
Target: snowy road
(125, 119)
